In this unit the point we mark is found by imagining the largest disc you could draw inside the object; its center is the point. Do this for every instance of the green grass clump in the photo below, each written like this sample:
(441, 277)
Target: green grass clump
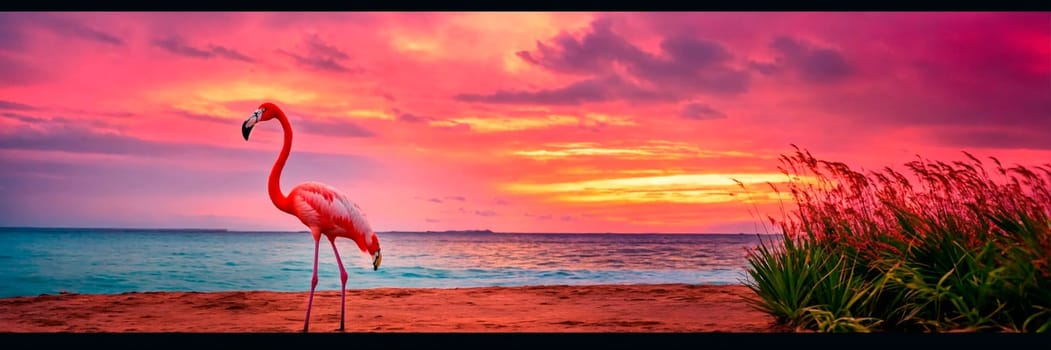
(952, 250)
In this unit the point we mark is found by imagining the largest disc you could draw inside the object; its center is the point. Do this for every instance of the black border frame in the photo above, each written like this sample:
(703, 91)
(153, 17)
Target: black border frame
(638, 341)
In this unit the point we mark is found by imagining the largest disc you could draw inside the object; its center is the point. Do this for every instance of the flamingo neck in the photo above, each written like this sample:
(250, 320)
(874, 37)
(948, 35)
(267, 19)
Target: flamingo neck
(274, 183)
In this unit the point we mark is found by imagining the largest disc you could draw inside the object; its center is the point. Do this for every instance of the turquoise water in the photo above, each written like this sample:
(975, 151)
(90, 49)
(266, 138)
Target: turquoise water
(107, 261)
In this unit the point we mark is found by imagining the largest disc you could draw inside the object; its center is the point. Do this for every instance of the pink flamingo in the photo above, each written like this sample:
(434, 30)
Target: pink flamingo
(325, 210)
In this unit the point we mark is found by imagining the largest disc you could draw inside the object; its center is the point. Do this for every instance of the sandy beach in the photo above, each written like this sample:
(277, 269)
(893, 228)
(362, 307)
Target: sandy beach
(596, 308)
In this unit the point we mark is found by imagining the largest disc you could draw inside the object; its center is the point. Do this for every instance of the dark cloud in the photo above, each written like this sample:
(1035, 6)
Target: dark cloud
(429, 220)
(68, 135)
(589, 90)
(968, 75)
(412, 118)
(691, 65)
(960, 80)
(765, 68)
(485, 213)
(78, 30)
(698, 111)
(409, 117)
(229, 53)
(14, 35)
(319, 63)
(80, 111)
(435, 200)
(176, 45)
(996, 138)
(696, 52)
(319, 47)
(333, 127)
(58, 122)
(31, 186)
(501, 202)
(596, 51)
(320, 56)
(15, 72)
(28, 180)
(24, 117)
(41, 176)
(16, 106)
(203, 117)
(11, 36)
(384, 94)
(566, 218)
(456, 198)
(70, 27)
(685, 66)
(986, 86)
(34, 188)
(814, 64)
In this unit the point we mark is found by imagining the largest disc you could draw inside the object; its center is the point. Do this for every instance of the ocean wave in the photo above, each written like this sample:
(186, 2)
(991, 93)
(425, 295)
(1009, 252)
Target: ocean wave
(102, 262)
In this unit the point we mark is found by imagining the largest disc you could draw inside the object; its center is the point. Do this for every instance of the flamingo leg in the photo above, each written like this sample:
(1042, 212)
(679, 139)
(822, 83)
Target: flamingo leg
(313, 284)
(343, 285)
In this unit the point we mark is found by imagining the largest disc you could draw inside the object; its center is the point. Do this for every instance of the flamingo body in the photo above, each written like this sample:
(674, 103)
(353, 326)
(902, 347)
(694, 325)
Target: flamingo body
(326, 210)
(322, 208)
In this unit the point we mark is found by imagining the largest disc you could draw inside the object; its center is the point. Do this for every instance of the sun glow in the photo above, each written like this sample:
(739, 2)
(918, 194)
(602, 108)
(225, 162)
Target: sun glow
(368, 114)
(681, 188)
(653, 149)
(242, 91)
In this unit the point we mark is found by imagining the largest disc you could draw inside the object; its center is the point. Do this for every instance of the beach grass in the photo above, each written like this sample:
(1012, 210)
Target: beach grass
(938, 247)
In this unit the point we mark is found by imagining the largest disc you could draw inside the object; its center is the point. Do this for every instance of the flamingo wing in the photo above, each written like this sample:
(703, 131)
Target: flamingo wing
(327, 209)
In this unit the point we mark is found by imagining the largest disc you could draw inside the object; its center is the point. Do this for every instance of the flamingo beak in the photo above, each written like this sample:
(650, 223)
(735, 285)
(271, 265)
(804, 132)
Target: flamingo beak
(376, 258)
(246, 127)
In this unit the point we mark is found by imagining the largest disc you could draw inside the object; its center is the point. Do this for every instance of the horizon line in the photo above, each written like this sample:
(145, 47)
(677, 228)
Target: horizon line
(383, 231)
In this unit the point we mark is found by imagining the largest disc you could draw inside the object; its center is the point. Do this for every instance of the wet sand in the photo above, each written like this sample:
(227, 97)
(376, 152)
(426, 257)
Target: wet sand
(595, 308)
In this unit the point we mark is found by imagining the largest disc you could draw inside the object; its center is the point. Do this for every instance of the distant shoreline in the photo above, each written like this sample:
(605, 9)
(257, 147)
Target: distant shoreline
(482, 231)
(485, 232)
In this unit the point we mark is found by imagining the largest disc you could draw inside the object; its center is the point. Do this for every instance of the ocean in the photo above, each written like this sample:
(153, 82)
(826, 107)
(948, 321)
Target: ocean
(36, 261)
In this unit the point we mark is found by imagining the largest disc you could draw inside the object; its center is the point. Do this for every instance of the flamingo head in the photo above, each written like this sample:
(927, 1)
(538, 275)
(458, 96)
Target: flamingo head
(374, 249)
(265, 112)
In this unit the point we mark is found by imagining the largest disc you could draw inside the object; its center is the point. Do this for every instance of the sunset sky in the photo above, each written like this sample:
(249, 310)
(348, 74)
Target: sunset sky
(515, 122)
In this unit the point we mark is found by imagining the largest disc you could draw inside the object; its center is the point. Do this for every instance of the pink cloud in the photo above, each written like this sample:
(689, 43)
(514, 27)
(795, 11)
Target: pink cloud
(402, 108)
